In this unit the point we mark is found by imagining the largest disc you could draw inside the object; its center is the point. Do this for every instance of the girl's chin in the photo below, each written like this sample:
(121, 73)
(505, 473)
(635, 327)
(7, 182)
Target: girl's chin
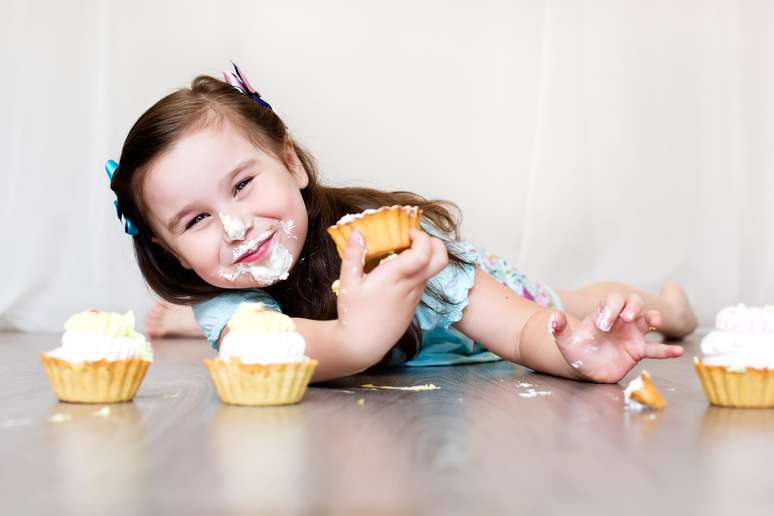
(244, 282)
(273, 268)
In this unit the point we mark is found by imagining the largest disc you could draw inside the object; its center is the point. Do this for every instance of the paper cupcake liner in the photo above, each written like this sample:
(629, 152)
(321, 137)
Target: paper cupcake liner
(260, 384)
(103, 381)
(750, 388)
(385, 231)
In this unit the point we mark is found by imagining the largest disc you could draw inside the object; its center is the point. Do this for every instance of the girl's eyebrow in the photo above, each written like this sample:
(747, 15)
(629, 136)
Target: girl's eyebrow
(174, 221)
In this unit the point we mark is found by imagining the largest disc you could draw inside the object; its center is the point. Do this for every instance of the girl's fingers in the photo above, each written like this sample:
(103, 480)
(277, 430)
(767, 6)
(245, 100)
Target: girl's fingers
(654, 319)
(633, 307)
(557, 327)
(439, 259)
(658, 350)
(649, 322)
(352, 260)
(609, 311)
(414, 259)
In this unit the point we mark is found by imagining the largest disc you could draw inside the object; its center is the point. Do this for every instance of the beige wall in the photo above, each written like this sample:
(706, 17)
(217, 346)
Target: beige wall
(583, 140)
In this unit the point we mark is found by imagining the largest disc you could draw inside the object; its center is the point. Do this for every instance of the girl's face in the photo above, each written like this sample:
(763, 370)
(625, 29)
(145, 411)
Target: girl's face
(230, 211)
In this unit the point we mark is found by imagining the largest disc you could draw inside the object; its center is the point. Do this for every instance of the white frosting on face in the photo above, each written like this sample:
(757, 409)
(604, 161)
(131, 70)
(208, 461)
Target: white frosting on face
(249, 348)
(274, 267)
(743, 337)
(233, 226)
(86, 347)
(288, 228)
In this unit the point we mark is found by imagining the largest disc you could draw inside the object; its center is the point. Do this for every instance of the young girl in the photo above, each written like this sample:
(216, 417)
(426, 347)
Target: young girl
(224, 207)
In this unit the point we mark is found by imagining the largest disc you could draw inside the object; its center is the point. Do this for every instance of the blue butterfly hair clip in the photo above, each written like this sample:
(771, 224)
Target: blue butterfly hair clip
(129, 226)
(239, 81)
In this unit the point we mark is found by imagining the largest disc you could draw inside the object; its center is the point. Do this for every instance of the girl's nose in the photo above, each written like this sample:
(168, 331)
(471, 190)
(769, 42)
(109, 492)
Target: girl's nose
(235, 228)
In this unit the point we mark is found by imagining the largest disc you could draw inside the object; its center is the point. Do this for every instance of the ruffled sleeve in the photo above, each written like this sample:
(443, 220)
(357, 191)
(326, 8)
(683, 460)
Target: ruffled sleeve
(212, 315)
(453, 283)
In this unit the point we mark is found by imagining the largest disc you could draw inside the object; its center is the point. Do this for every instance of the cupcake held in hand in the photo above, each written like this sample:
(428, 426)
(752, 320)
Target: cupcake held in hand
(385, 231)
(737, 364)
(102, 358)
(261, 359)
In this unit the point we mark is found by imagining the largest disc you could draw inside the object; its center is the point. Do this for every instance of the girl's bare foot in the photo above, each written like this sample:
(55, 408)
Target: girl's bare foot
(680, 320)
(168, 320)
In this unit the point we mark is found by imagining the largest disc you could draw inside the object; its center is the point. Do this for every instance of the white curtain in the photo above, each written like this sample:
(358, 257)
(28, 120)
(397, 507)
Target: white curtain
(604, 139)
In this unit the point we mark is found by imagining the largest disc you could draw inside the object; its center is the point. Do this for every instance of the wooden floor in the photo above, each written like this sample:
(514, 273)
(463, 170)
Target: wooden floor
(494, 439)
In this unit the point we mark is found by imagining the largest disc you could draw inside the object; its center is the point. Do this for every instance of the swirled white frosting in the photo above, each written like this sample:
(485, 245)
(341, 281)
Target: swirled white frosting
(250, 348)
(257, 335)
(85, 347)
(94, 335)
(743, 337)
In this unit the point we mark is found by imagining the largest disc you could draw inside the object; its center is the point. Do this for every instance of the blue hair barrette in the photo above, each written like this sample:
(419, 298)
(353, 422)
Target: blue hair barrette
(239, 81)
(129, 227)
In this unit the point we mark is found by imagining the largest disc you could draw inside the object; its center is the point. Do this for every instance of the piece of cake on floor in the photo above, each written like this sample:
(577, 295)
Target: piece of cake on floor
(641, 394)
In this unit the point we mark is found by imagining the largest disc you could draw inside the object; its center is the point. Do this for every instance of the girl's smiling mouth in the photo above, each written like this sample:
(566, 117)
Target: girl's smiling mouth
(254, 251)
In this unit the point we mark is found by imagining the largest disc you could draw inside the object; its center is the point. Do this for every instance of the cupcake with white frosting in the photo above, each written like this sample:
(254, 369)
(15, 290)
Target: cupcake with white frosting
(261, 359)
(737, 364)
(102, 358)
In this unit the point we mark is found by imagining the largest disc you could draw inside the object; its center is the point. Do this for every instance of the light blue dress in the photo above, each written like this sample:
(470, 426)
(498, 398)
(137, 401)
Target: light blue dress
(441, 343)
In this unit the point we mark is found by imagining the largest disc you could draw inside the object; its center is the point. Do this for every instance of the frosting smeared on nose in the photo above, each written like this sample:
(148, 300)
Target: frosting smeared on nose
(233, 226)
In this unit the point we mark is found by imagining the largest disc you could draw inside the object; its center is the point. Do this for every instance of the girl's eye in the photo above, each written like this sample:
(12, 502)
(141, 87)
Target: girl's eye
(240, 185)
(196, 220)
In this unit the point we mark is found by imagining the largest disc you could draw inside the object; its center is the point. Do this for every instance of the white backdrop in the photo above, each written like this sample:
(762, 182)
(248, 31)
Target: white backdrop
(604, 139)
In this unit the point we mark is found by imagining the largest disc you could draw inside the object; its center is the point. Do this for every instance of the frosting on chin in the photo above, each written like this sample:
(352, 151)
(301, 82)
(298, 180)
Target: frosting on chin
(275, 267)
(87, 347)
(250, 348)
(744, 337)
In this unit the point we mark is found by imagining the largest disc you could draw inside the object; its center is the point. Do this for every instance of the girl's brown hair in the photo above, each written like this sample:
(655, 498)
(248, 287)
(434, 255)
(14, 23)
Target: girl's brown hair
(306, 292)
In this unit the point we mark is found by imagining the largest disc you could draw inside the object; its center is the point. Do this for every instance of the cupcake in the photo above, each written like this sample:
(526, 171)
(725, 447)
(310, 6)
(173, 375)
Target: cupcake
(385, 231)
(261, 359)
(101, 359)
(737, 364)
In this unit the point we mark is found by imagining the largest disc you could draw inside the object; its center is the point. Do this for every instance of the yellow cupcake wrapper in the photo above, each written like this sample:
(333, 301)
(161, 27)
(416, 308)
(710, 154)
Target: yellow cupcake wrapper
(103, 381)
(260, 384)
(385, 231)
(748, 388)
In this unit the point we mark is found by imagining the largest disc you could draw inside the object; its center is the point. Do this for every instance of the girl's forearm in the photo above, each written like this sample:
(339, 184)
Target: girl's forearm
(537, 348)
(338, 354)
(512, 327)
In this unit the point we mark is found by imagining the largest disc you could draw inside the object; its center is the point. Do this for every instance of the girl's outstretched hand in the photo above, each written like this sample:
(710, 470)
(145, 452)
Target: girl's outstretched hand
(608, 344)
(375, 309)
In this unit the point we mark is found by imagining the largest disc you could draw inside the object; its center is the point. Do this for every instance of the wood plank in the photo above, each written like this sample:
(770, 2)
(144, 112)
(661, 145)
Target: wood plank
(478, 444)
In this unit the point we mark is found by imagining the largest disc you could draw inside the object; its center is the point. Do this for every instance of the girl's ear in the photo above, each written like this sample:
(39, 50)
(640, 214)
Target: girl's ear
(295, 166)
(164, 246)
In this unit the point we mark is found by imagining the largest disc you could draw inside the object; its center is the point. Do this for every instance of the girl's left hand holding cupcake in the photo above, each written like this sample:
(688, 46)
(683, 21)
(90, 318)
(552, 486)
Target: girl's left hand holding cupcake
(606, 345)
(376, 308)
